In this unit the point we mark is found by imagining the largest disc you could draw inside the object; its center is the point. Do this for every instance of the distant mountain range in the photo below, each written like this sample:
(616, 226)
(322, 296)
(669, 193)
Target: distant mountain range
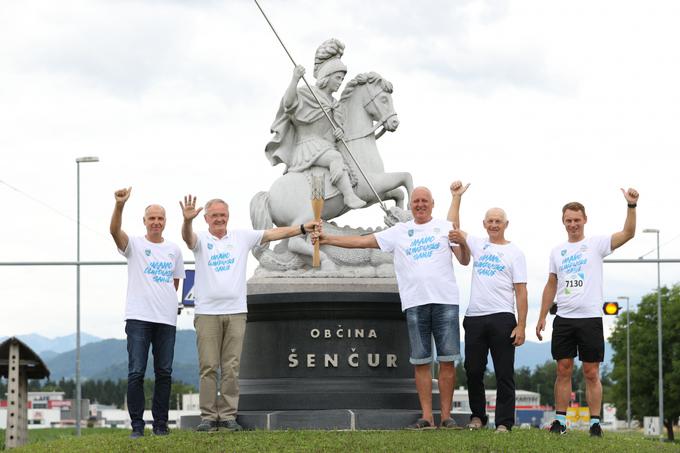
(51, 347)
(107, 359)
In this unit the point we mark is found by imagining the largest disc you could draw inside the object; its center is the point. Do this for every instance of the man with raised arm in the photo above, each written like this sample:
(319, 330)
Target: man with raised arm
(429, 296)
(220, 304)
(499, 280)
(154, 269)
(576, 279)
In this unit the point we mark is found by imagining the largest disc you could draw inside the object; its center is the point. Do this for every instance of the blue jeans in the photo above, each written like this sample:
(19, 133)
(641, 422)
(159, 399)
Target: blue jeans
(438, 321)
(141, 335)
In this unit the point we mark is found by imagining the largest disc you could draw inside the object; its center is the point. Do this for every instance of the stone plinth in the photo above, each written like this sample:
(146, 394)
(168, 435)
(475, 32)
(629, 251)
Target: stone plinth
(339, 419)
(258, 286)
(327, 346)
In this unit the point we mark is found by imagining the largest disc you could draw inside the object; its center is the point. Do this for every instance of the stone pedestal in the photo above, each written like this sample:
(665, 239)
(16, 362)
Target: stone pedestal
(339, 419)
(326, 353)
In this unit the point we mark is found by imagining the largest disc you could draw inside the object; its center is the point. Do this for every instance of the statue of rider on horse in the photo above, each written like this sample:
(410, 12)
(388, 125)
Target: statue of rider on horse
(303, 137)
(307, 130)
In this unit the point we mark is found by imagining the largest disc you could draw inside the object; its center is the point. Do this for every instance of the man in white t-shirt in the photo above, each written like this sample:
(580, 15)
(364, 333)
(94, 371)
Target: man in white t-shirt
(220, 304)
(576, 279)
(429, 296)
(154, 269)
(498, 278)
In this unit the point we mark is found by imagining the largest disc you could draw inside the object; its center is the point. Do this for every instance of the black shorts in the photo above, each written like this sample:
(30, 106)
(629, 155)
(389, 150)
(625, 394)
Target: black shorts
(584, 335)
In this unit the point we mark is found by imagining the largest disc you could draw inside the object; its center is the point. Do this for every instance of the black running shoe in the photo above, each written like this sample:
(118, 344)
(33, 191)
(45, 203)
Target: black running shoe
(161, 430)
(595, 430)
(558, 428)
(229, 425)
(207, 426)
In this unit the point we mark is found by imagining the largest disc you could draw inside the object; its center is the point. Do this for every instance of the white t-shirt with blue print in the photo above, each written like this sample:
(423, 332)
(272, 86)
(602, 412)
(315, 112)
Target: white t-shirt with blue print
(497, 267)
(422, 262)
(578, 266)
(152, 268)
(220, 281)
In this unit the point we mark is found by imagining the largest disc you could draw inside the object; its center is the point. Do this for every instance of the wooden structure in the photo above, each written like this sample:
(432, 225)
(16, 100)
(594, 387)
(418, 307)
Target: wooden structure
(18, 363)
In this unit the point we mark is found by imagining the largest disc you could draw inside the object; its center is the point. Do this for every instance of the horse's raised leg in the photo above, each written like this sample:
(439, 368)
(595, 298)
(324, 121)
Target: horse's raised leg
(386, 183)
(407, 182)
(397, 195)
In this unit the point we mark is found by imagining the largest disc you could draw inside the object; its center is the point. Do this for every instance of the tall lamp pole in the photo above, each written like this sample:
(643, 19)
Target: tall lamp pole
(658, 301)
(627, 358)
(79, 160)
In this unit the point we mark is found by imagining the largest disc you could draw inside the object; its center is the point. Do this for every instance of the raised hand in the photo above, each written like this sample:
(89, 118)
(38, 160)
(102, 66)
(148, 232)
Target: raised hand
(631, 195)
(298, 72)
(457, 188)
(189, 210)
(122, 195)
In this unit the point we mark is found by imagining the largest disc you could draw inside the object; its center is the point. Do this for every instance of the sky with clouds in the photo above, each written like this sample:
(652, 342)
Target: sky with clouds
(534, 103)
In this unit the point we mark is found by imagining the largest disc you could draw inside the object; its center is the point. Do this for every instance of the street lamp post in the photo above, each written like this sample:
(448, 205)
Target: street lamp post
(658, 301)
(627, 358)
(79, 160)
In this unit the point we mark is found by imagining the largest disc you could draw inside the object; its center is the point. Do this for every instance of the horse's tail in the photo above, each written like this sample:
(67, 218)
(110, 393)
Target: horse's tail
(259, 211)
(261, 219)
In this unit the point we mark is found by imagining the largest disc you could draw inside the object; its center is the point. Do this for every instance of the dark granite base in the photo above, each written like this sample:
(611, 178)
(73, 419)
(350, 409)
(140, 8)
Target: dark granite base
(339, 419)
(328, 355)
(293, 394)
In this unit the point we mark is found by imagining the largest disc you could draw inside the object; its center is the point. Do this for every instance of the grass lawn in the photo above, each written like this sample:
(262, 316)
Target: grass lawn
(112, 440)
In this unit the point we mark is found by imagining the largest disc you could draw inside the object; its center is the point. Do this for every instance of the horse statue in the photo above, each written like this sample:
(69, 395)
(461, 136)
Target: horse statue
(366, 105)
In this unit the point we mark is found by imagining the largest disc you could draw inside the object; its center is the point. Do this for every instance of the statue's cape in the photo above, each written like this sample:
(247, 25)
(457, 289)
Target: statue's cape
(305, 110)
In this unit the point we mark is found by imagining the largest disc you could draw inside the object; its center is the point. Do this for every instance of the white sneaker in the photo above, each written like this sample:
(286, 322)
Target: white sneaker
(475, 423)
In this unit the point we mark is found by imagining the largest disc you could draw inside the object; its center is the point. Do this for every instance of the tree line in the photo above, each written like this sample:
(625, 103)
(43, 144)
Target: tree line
(644, 350)
(540, 379)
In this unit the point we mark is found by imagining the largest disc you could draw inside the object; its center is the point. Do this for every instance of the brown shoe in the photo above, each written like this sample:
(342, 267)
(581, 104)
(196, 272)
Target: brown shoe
(420, 424)
(449, 423)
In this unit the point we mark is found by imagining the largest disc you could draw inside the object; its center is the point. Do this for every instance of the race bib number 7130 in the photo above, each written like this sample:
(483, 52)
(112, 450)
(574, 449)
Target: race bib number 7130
(574, 283)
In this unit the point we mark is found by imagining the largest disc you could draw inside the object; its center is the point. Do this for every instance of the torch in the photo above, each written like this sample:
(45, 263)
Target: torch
(318, 193)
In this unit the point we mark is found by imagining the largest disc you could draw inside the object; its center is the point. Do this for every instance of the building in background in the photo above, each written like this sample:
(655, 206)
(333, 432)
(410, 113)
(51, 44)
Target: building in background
(528, 407)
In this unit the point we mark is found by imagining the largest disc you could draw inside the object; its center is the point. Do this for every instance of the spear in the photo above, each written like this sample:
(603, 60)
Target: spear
(333, 125)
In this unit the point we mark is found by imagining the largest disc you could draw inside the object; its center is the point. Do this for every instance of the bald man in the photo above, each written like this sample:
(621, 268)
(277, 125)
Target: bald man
(154, 269)
(429, 296)
(499, 279)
